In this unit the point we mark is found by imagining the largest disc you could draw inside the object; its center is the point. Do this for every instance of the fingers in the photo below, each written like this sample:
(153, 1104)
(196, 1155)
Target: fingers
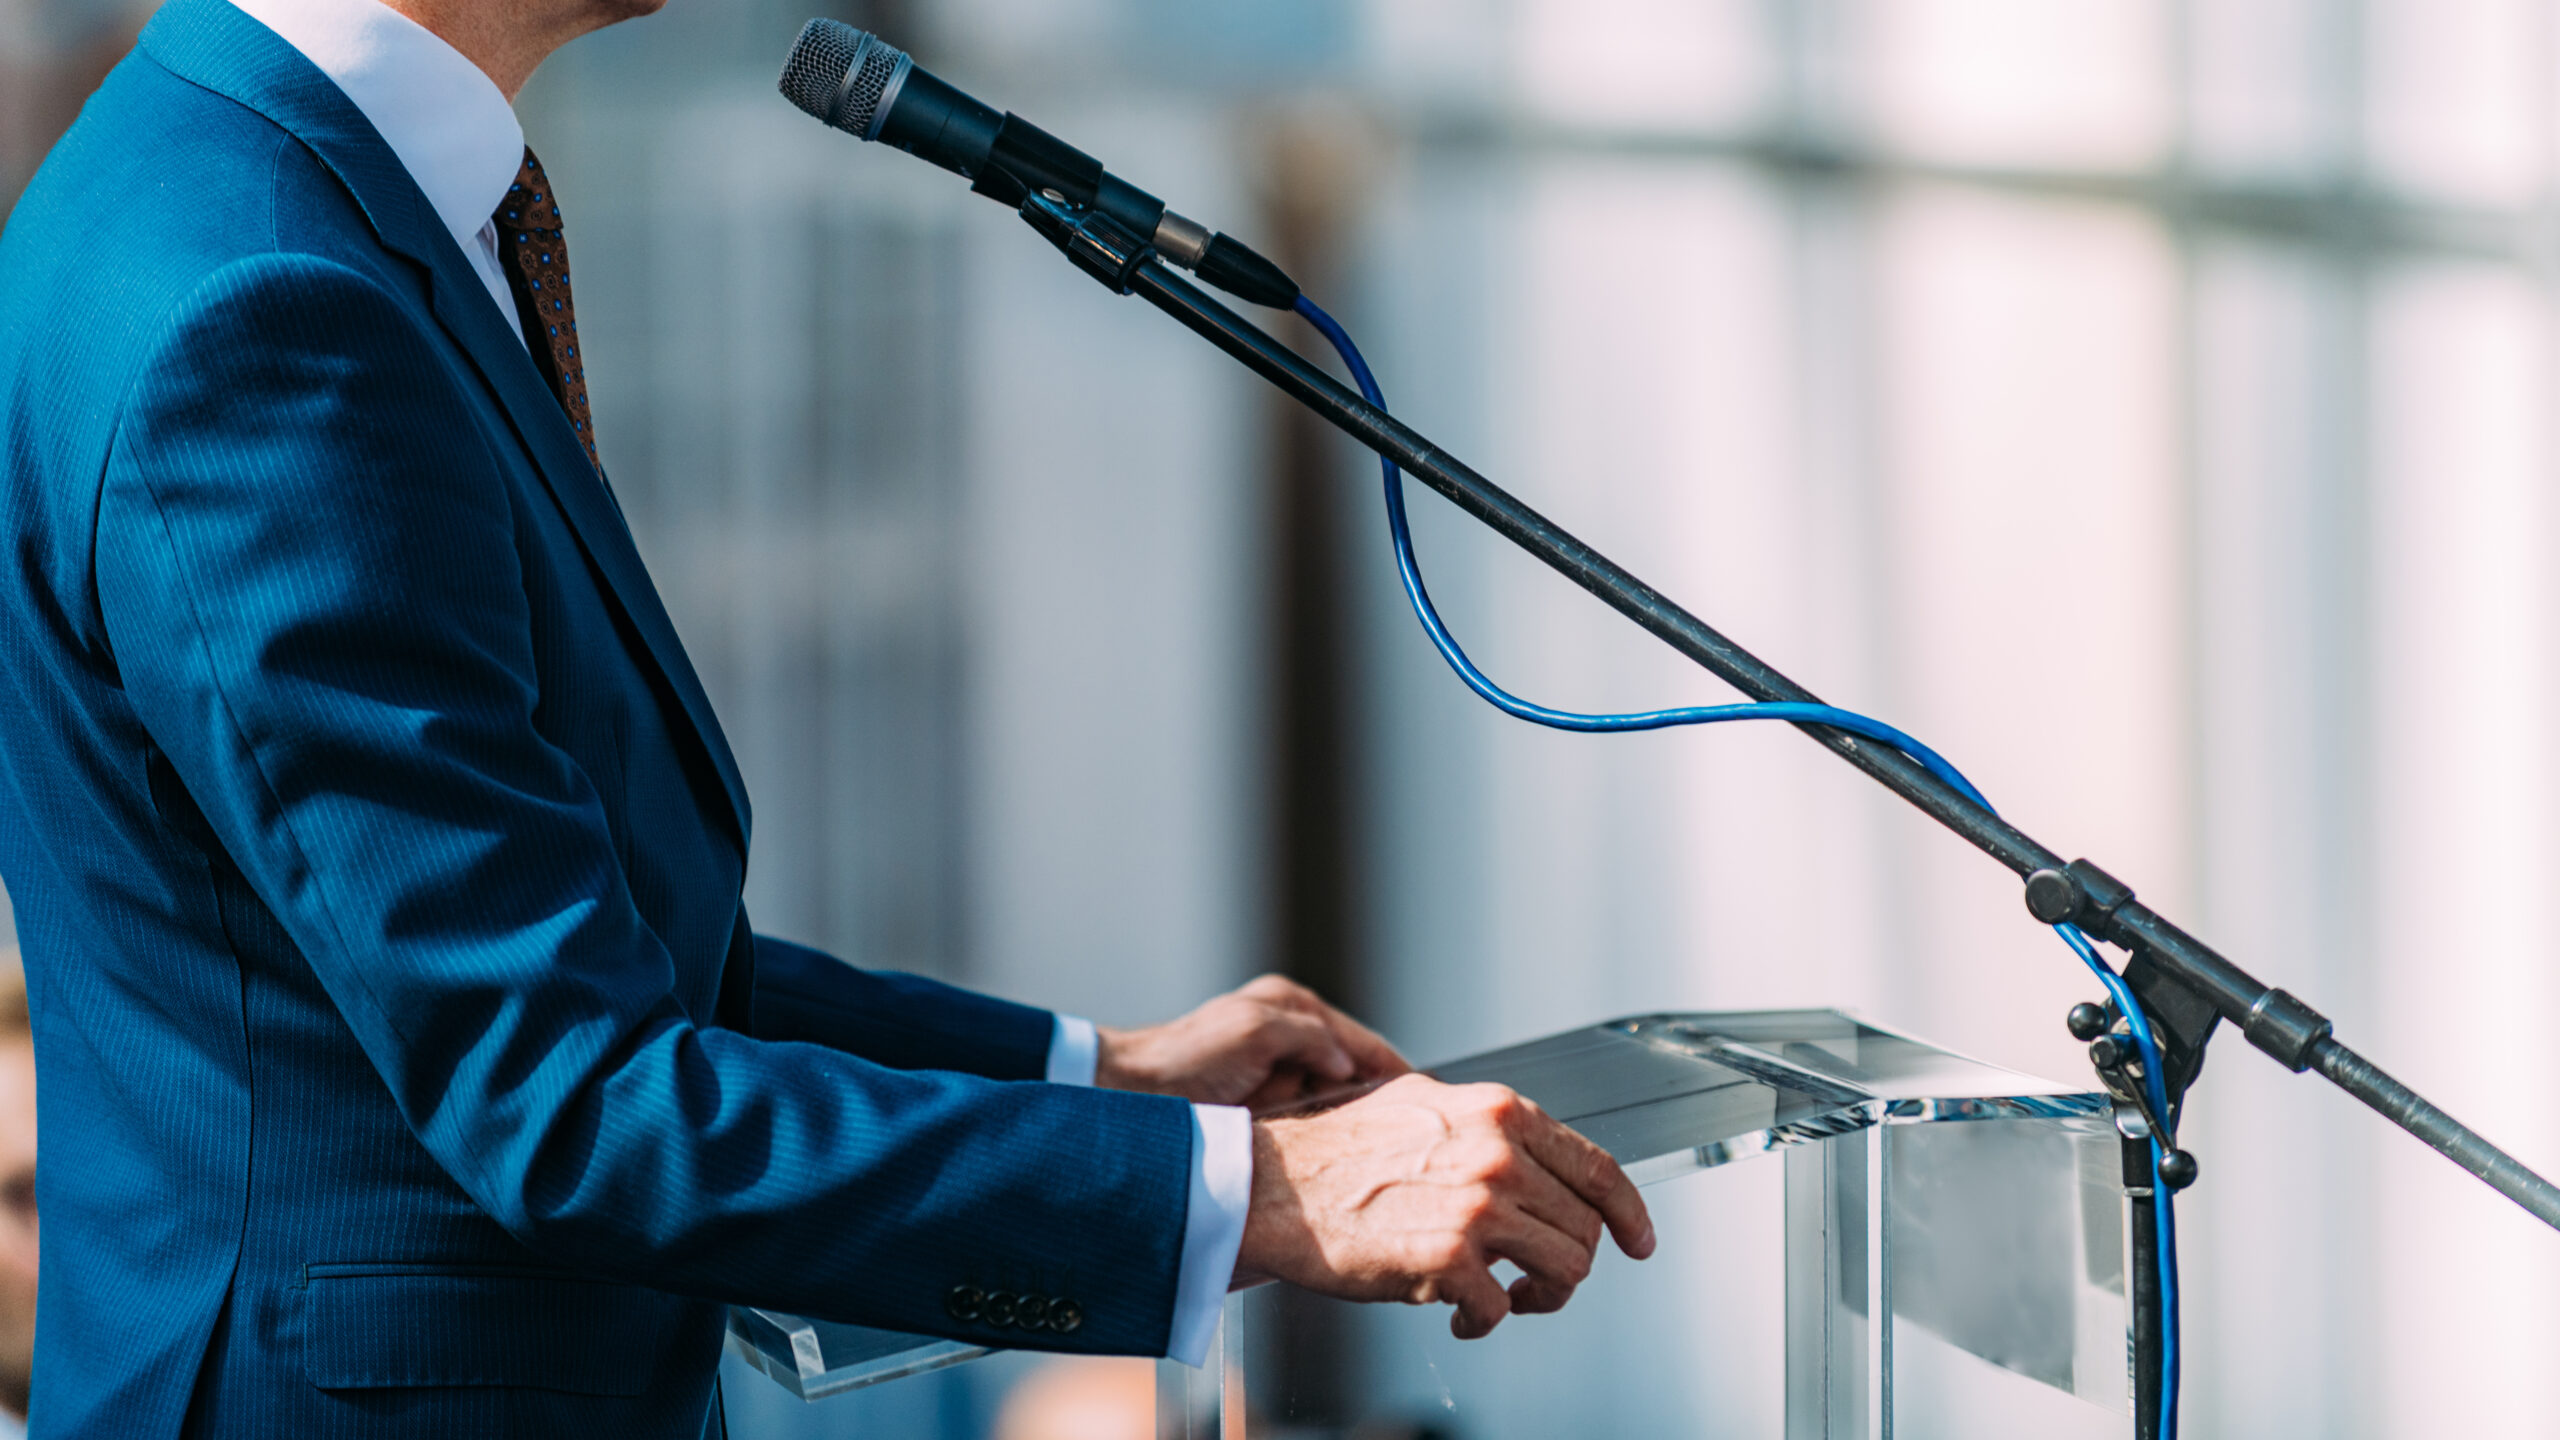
(1550, 1232)
(1419, 1189)
(1481, 1300)
(1592, 1175)
(1372, 1056)
(1266, 1043)
(1524, 1211)
(1557, 1205)
(1376, 1059)
(1533, 1297)
(1553, 1262)
(1292, 1037)
(1279, 1093)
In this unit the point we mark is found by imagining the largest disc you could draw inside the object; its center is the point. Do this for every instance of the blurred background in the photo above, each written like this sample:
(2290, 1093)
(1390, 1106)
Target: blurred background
(2147, 403)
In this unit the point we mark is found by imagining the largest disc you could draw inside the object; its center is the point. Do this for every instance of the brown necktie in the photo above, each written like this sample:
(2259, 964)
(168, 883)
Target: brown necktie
(536, 260)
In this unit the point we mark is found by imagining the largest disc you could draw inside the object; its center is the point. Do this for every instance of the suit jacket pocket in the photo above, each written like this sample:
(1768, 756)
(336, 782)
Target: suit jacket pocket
(377, 1326)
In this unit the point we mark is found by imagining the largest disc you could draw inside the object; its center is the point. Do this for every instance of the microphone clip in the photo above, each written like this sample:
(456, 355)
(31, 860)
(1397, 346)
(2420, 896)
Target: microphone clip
(1097, 244)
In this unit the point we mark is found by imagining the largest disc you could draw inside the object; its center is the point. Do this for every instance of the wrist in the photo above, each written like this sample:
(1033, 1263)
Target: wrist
(1274, 1228)
(1111, 1068)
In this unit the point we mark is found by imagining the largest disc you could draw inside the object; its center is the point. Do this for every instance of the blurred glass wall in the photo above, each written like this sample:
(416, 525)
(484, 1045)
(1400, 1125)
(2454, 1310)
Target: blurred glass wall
(2147, 403)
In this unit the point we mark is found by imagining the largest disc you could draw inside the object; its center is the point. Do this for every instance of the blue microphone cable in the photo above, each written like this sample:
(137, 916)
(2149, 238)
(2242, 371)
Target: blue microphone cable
(1401, 531)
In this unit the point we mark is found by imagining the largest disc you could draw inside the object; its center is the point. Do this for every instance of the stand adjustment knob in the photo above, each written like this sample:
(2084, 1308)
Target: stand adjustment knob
(2177, 1169)
(2053, 897)
(2085, 1022)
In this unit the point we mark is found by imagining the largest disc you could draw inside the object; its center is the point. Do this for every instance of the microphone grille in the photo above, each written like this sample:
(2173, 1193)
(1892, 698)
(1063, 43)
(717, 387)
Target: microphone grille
(839, 74)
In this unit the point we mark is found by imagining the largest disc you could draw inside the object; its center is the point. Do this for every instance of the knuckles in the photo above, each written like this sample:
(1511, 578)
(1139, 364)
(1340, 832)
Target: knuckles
(1277, 990)
(1497, 1105)
(1493, 1163)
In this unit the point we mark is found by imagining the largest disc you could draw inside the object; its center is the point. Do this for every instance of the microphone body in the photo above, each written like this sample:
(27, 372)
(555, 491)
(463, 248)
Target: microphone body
(935, 121)
(866, 87)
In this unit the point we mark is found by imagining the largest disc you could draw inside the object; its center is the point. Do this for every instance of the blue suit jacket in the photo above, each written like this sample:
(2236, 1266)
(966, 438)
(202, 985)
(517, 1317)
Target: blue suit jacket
(407, 1064)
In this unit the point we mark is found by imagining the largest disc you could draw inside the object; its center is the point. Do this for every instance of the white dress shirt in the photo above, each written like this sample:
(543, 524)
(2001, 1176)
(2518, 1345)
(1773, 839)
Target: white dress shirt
(458, 137)
(442, 115)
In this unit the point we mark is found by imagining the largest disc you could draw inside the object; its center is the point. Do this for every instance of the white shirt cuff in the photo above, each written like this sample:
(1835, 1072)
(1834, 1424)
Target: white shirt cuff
(1075, 1048)
(1212, 1233)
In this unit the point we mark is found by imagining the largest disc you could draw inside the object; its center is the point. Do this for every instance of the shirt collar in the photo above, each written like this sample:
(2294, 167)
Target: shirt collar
(441, 114)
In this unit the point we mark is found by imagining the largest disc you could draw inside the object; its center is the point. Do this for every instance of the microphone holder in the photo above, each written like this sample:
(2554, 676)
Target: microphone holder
(2185, 987)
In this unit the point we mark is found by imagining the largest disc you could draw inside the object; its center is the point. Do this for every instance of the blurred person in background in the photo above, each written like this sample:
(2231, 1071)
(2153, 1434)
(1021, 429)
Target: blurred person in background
(17, 1198)
(409, 1057)
(53, 53)
(1081, 1399)
(17, 1185)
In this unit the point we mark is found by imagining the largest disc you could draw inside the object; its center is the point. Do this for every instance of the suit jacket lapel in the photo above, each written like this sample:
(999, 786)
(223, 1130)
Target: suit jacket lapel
(462, 304)
(215, 45)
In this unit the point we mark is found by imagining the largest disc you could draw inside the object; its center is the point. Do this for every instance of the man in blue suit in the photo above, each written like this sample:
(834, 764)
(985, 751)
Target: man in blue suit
(409, 1066)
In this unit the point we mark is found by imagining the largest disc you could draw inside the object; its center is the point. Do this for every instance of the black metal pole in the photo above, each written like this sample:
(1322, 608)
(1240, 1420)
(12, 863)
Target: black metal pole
(2276, 1022)
(2412, 1112)
(2142, 1287)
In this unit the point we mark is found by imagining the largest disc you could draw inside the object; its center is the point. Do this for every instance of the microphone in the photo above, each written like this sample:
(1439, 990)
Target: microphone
(863, 85)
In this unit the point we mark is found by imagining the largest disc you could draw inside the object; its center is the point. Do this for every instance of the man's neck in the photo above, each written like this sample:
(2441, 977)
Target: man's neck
(507, 41)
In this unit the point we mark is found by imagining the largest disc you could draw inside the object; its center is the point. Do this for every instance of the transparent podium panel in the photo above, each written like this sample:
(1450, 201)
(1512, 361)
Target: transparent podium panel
(817, 1358)
(1977, 1211)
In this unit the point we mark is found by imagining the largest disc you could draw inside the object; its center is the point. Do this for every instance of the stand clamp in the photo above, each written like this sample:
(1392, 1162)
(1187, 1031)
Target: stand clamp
(1094, 242)
(2182, 1021)
(2182, 1018)
(2119, 1065)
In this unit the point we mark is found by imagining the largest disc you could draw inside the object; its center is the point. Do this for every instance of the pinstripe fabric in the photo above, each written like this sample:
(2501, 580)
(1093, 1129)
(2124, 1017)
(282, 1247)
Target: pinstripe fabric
(408, 1066)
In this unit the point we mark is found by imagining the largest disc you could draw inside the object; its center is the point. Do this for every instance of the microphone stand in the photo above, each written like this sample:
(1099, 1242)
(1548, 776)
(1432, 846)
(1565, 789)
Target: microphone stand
(2186, 988)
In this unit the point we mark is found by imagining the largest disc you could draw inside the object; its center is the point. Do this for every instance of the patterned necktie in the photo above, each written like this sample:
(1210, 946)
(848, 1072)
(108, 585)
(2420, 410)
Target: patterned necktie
(536, 259)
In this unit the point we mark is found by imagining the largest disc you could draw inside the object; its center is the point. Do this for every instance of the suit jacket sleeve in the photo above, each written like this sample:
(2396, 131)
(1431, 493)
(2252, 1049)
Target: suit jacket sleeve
(308, 571)
(903, 1021)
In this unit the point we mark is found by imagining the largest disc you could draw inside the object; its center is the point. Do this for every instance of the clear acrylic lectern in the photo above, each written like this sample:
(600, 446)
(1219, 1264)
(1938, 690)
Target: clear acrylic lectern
(1953, 1237)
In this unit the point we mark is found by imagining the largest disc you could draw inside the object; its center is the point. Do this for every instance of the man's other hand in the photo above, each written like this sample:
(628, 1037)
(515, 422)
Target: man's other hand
(1413, 1192)
(1267, 1044)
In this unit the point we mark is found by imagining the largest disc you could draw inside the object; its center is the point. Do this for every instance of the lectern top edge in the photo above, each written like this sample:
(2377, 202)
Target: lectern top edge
(1669, 1093)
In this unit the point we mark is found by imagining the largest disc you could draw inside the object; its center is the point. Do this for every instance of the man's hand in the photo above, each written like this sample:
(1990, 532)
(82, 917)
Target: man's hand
(1267, 1044)
(1413, 1192)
